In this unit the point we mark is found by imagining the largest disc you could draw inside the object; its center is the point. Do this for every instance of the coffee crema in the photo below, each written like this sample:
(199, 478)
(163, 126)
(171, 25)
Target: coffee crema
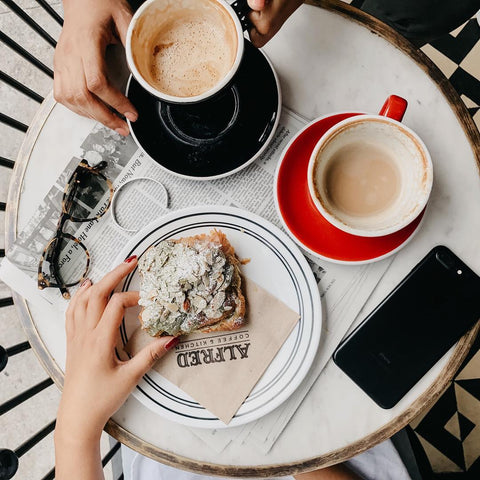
(362, 179)
(184, 48)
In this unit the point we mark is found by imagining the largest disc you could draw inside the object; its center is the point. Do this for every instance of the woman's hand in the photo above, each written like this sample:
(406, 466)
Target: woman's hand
(267, 18)
(96, 381)
(80, 78)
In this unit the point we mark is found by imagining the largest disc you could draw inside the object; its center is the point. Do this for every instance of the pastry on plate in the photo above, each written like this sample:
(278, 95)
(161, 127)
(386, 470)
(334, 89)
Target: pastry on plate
(191, 284)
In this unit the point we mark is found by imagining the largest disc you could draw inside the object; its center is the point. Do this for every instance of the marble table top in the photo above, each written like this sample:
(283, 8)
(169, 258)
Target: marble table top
(328, 60)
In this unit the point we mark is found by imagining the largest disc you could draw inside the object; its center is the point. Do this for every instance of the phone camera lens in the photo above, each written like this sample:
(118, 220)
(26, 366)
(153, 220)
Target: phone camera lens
(446, 260)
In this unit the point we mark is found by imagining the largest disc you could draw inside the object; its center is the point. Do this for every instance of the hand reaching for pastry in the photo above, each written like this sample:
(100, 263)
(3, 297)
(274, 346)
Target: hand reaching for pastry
(96, 381)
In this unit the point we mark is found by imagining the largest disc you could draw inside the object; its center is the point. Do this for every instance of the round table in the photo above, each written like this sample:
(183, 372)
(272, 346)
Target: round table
(329, 57)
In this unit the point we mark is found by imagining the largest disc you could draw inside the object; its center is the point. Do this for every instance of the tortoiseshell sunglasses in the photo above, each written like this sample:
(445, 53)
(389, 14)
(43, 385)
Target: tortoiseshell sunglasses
(65, 260)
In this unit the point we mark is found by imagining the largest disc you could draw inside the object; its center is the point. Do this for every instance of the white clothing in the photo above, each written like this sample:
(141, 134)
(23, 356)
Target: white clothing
(381, 462)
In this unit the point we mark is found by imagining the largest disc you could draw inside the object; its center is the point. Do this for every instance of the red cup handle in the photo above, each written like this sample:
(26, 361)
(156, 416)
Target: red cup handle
(394, 107)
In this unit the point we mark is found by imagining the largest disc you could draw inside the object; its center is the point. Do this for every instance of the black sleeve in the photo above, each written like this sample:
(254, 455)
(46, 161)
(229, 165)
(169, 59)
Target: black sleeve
(421, 21)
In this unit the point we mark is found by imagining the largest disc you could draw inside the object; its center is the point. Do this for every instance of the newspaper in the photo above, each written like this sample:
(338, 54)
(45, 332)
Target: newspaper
(344, 289)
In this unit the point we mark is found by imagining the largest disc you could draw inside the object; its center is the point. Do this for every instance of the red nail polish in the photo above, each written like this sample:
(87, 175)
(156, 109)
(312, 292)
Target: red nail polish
(129, 259)
(172, 343)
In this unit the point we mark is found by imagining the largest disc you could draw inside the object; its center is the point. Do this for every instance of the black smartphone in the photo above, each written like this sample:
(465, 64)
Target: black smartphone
(412, 328)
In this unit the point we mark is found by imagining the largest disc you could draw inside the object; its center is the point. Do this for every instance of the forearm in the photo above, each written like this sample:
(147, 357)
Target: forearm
(337, 472)
(76, 458)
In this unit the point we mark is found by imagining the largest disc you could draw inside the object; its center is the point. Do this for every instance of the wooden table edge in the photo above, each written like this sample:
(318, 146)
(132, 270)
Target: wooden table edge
(424, 401)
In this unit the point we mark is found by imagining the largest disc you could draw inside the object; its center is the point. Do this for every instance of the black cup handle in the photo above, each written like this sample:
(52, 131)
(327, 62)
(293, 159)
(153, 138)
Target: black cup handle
(242, 10)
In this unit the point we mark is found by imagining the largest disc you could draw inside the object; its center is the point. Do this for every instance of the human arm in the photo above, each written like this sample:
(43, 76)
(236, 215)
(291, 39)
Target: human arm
(81, 82)
(96, 381)
(268, 16)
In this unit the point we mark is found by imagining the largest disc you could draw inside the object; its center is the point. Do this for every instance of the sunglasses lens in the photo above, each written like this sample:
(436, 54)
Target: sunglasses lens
(86, 194)
(65, 262)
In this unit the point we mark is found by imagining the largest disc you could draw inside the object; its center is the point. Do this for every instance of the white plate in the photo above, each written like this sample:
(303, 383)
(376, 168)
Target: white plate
(277, 265)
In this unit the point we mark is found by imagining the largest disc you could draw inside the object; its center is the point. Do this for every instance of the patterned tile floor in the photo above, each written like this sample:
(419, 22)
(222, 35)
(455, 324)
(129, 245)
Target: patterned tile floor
(449, 433)
(458, 56)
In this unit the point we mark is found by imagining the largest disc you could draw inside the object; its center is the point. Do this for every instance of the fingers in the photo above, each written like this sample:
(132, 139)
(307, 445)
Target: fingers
(79, 295)
(258, 39)
(80, 79)
(143, 361)
(98, 84)
(92, 107)
(100, 292)
(91, 307)
(74, 94)
(269, 19)
(257, 4)
(263, 25)
(76, 308)
(114, 312)
(106, 285)
(122, 19)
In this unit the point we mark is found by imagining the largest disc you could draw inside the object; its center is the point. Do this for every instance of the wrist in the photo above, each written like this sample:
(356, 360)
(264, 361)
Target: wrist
(76, 427)
(67, 434)
(76, 457)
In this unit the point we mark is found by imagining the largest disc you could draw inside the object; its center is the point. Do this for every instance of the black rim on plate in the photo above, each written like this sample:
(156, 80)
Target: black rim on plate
(163, 398)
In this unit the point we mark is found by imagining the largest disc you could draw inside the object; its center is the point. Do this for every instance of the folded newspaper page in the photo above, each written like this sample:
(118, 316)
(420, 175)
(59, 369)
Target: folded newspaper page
(344, 289)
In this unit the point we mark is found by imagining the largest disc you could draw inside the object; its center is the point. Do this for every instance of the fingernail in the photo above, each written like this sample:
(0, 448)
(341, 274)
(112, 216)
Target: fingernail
(122, 131)
(131, 116)
(130, 259)
(172, 343)
(85, 283)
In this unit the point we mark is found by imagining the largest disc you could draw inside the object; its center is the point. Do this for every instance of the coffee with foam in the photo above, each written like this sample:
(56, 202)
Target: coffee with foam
(184, 48)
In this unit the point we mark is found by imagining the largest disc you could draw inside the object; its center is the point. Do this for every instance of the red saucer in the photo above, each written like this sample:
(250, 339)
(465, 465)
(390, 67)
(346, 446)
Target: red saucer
(305, 223)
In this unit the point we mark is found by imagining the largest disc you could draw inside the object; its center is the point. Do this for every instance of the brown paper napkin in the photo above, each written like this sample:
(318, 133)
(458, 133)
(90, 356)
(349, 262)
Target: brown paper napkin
(219, 370)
